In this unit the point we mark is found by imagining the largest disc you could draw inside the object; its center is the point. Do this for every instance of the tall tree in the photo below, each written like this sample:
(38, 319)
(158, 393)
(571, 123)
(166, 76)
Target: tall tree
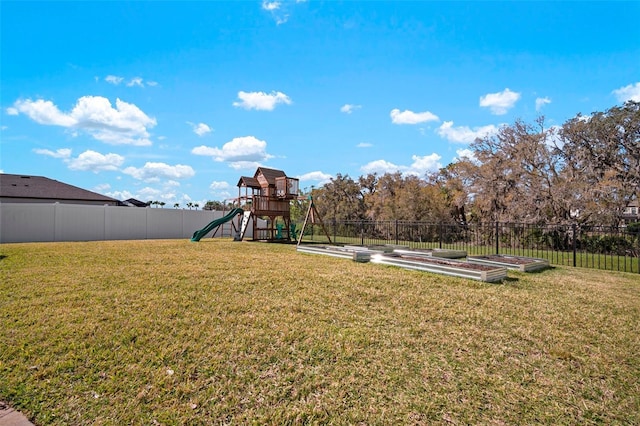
(602, 151)
(340, 199)
(516, 178)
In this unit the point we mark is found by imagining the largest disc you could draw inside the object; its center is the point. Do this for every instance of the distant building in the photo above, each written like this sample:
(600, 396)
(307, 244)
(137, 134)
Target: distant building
(631, 212)
(39, 189)
(132, 202)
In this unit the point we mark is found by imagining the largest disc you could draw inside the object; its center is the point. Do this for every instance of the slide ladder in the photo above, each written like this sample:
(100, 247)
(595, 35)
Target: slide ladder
(245, 223)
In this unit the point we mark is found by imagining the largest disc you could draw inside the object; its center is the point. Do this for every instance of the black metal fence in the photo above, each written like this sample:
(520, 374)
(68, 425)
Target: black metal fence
(601, 247)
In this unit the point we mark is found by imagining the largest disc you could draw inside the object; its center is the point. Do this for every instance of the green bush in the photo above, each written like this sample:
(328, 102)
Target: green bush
(606, 244)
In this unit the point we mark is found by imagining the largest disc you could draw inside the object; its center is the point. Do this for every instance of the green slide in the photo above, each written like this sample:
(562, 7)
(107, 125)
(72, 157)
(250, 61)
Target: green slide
(213, 225)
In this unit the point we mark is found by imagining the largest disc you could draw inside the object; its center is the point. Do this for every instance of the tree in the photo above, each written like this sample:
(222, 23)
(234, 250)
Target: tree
(368, 185)
(340, 199)
(515, 177)
(176, 206)
(602, 152)
(215, 205)
(300, 206)
(454, 184)
(384, 200)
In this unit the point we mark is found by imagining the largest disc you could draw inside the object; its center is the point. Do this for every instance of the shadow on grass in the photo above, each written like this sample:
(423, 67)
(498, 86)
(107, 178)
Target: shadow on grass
(3, 256)
(542, 270)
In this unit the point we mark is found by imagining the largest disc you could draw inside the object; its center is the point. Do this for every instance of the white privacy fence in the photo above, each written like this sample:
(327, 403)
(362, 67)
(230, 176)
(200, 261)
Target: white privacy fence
(27, 222)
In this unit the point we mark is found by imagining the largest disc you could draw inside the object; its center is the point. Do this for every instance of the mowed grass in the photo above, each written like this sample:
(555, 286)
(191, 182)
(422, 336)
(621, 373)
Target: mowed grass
(217, 332)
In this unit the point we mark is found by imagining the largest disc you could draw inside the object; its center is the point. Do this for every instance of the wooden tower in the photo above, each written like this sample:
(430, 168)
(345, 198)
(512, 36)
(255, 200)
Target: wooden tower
(267, 197)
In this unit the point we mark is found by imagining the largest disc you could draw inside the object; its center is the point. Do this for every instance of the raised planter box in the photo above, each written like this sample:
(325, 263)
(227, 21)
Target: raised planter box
(518, 263)
(374, 248)
(449, 267)
(355, 253)
(443, 253)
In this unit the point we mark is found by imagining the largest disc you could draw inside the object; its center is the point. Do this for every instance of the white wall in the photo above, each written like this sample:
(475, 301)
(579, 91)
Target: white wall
(31, 222)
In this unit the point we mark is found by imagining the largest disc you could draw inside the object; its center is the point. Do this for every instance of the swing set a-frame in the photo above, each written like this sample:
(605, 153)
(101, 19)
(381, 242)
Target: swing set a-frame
(312, 217)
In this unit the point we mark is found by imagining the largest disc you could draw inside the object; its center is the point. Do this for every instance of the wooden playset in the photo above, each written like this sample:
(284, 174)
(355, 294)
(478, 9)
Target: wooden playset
(267, 195)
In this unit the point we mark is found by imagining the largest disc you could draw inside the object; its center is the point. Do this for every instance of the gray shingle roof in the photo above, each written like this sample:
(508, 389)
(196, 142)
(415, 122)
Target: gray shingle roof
(26, 186)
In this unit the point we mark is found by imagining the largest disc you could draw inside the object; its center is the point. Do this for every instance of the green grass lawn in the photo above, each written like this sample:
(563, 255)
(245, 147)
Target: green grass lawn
(217, 332)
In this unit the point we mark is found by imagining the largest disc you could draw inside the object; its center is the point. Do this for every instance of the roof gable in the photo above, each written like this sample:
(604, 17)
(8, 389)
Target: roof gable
(268, 175)
(249, 182)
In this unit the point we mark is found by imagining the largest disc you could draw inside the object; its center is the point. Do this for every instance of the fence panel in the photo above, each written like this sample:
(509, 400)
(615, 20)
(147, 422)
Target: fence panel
(598, 247)
(39, 222)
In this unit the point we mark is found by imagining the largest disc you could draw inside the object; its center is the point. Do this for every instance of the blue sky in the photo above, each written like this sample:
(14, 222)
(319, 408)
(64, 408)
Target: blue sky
(174, 101)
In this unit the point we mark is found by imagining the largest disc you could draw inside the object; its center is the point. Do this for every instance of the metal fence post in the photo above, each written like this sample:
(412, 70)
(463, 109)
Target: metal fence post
(362, 232)
(497, 238)
(397, 232)
(440, 235)
(334, 230)
(574, 230)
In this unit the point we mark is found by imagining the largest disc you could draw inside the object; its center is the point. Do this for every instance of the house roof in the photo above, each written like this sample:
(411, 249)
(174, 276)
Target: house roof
(135, 203)
(269, 174)
(26, 186)
(249, 182)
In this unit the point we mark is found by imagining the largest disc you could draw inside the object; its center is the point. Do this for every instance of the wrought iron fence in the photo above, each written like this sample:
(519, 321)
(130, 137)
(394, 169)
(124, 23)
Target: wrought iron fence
(601, 247)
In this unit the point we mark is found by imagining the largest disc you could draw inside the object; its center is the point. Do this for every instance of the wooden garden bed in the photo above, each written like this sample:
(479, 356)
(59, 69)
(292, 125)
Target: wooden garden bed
(519, 263)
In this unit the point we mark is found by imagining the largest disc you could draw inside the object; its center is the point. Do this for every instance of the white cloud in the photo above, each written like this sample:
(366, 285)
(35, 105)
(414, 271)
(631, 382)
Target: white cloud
(124, 195)
(153, 172)
(465, 153)
(463, 134)
(277, 10)
(206, 151)
(410, 117)
(364, 145)
(540, 102)
(245, 165)
(59, 153)
(381, 167)
(261, 101)
(240, 153)
(218, 186)
(349, 108)
(125, 124)
(499, 103)
(424, 164)
(316, 176)
(44, 112)
(200, 129)
(135, 81)
(95, 162)
(101, 187)
(271, 5)
(12, 111)
(113, 79)
(628, 93)
(419, 167)
(165, 193)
